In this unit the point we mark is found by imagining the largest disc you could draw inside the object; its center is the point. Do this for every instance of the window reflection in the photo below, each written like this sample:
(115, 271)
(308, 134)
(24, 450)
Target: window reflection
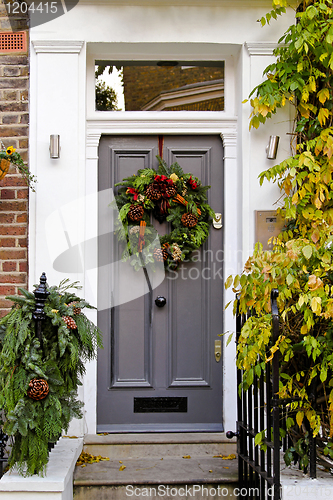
(150, 87)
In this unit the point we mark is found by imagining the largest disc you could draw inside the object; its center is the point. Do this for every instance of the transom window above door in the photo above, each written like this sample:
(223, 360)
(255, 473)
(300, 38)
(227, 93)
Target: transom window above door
(159, 86)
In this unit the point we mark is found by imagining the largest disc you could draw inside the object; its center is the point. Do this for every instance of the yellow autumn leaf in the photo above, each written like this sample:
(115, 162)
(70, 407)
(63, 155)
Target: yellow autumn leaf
(294, 199)
(228, 282)
(323, 115)
(315, 236)
(229, 457)
(122, 467)
(304, 330)
(316, 305)
(299, 417)
(312, 84)
(187, 456)
(304, 110)
(317, 202)
(314, 282)
(323, 95)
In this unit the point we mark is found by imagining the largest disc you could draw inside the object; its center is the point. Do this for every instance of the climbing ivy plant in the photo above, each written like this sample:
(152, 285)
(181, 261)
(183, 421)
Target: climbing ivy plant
(300, 265)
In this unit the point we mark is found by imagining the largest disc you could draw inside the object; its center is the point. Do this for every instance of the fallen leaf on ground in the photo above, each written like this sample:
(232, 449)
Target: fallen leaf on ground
(87, 458)
(225, 457)
(187, 456)
(122, 467)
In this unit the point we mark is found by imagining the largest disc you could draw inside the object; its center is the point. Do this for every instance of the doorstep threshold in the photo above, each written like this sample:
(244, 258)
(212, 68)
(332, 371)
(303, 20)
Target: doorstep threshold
(158, 438)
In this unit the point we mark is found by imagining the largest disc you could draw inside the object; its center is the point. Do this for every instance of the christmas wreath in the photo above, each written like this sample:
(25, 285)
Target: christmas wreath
(167, 194)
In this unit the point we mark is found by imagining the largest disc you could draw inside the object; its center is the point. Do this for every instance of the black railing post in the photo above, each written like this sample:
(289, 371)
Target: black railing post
(41, 295)
(3, 444)
(275, 397)
(312, 439)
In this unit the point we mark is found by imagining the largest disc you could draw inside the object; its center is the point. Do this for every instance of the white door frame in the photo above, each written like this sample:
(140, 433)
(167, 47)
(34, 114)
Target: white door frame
(223, 123)
(81, 127)
(182, 123)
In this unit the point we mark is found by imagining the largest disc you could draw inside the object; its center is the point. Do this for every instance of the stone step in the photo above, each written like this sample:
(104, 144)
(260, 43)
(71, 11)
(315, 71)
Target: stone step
(203, 477)
(120, 446)
(153, 465)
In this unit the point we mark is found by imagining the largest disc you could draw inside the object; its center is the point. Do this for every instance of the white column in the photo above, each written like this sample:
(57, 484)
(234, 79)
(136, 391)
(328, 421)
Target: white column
(256, 57)
(232, 265)
(57, 106)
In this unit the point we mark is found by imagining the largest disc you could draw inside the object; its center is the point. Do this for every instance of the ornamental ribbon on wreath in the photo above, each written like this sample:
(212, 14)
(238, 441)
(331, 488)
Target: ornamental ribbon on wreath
(169, 195)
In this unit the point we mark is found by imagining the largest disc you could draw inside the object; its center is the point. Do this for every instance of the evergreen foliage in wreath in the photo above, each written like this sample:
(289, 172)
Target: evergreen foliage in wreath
(169, 195)
(39, 380)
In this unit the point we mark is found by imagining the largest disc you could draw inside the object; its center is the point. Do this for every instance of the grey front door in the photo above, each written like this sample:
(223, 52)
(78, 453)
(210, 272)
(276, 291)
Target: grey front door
(159, 373)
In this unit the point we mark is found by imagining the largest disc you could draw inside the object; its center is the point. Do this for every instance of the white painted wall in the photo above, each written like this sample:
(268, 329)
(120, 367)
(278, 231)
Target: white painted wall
(63, 53)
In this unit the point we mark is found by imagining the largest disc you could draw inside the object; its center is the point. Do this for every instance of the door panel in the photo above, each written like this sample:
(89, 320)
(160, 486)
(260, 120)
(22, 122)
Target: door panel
(157, 372)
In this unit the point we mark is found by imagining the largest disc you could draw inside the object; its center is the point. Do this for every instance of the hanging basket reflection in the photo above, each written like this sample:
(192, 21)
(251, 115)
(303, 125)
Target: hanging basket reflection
(4, 167)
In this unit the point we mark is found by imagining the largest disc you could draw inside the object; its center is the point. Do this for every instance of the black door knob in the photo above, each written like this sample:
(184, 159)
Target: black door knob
(160, 301)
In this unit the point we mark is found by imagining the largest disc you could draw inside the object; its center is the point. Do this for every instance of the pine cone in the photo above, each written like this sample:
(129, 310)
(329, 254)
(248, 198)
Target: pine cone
(76, 310)
(70, 322)
(152, 193)
(176, 253)
(171, 191)
(134, 229)
(158, 255)
(189, 220)
(165, 251)
(38, 389)
(135, 212)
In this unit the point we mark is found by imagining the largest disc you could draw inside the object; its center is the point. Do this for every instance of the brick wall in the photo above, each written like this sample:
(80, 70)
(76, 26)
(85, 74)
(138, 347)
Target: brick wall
(14, 128)
(143, 83)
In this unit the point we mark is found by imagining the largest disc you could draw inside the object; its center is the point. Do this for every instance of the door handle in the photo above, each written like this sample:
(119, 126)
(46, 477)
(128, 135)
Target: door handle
(218, 350)
(160, 301)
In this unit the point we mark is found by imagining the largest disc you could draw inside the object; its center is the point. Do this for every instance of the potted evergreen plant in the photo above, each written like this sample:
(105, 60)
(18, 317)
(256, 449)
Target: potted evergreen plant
(41, 369)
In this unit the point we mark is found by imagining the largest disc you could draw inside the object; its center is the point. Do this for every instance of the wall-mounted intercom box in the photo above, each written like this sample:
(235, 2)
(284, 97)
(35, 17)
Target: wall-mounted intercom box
(268, 224)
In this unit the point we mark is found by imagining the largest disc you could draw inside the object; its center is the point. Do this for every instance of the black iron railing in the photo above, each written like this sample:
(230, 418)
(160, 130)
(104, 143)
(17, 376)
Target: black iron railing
(259, 409)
